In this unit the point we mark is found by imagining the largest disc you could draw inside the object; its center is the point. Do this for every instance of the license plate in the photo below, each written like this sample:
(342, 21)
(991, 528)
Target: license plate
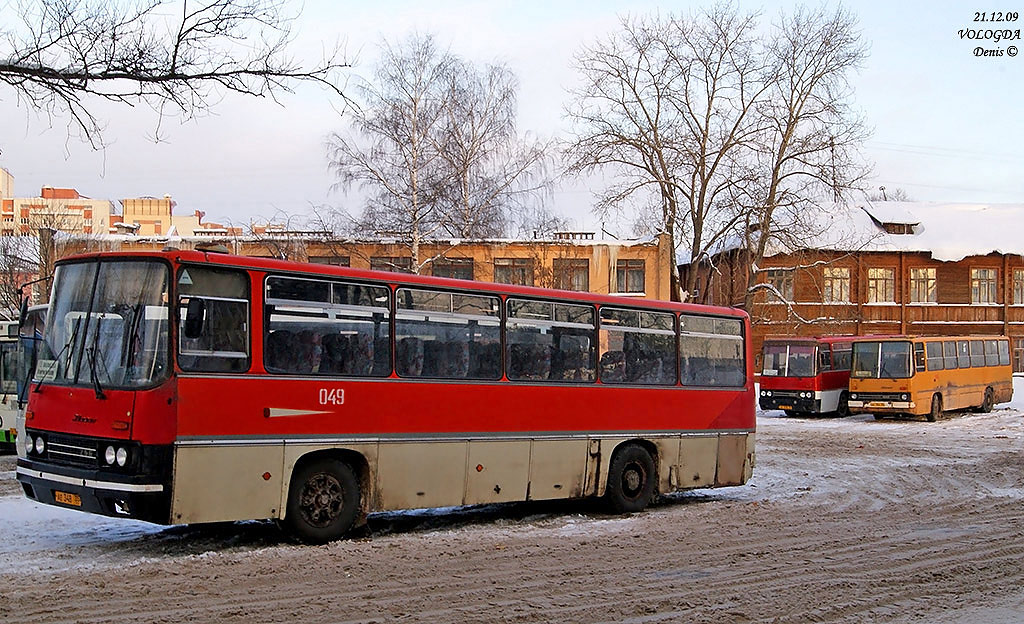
(785, 407)
(877, 404)
(67, 498)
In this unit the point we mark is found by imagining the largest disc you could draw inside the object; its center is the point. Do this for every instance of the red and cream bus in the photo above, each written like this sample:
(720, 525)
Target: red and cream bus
(806, 375)
(186, 387)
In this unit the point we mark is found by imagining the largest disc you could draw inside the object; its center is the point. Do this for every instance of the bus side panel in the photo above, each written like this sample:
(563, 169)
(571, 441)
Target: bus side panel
(498, 471)
(217, 483)
(735, 459)
(1003, 390)
(413, 475)
(698, 462)
(668, 456)
(558, 468)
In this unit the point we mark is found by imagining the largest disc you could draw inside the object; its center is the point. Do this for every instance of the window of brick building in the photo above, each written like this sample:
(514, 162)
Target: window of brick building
(331, 260)
(629, 276)
(517, 271)
(836, 285)
(881, 285)
(983, 285)
(391, 263)
(922, 285)
(572, 273)
(1018, 286)
(782, 281)
(458, 268)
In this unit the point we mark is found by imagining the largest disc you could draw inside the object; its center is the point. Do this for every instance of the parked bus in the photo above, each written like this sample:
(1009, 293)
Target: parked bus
(186, 387)
(9, 363)
(924, 376)
(806, 375)
(30, 334)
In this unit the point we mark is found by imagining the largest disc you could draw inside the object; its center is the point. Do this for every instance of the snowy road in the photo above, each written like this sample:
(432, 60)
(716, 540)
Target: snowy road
(846, 520)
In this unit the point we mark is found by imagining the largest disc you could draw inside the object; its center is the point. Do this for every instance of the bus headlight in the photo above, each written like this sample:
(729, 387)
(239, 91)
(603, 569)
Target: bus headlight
(121, 456)
(904, 397)
(768, 392)
(40, 445)
(854, 396)
(29, 444)
(110, 456)
(764, 393)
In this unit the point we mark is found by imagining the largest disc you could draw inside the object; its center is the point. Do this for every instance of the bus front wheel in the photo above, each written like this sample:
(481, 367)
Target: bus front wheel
(843, 408)
(936, 410)
(323, 501)
(631, 479)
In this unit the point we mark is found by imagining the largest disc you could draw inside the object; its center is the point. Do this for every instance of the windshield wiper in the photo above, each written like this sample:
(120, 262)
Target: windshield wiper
(56, 360)
(91, 353)
(133, 334)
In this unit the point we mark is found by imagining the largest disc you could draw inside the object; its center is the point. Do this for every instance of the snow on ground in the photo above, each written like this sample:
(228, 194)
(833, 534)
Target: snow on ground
(41, 538)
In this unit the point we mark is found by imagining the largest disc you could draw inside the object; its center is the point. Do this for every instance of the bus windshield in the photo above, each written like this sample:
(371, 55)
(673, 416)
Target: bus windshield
(107, 325)
(788, 360)
(881, 360)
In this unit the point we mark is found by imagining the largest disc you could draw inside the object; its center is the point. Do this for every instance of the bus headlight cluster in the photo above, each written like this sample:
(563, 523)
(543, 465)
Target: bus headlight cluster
(806, 395)
(117, 456)
(36, 444)
(766, 393)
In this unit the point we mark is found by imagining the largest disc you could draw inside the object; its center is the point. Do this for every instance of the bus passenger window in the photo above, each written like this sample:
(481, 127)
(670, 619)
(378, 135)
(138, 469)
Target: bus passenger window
(1004, 353)
(919, 356)
(549, 341)
(637, 347)
(841, 357)
(991, 353)
(949, 358)
(711, 351)
(324, 327)
(824, 358)
(446, 335)
(934, 356)
(963, 354)
(977, 353)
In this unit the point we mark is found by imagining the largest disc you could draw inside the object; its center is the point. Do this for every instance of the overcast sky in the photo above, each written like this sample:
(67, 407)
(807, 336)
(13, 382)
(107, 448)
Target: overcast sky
(947, 124)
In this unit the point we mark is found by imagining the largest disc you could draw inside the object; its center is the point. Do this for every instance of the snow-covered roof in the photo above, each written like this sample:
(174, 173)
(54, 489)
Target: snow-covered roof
(950, 232)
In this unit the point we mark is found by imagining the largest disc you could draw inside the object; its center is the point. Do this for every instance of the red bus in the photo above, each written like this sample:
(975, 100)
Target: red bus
(186, 387)
(806, 375)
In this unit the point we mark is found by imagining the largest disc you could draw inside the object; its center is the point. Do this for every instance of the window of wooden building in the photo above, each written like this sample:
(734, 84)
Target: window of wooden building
(922, 285)
(836, 285)
(983, 285)
(332, 260)
(1018, 286)
(881, 285)
(782, 281)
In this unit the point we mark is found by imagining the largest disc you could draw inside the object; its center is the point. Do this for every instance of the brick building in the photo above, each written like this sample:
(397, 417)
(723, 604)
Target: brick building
(889, 268)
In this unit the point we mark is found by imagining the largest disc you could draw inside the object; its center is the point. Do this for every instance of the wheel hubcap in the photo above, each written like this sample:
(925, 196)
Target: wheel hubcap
(633, 478)
(321, 500)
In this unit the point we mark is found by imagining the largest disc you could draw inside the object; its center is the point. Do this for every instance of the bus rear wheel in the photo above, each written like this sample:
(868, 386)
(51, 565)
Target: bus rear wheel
(843, 408)
(323, 501)
(631, 479)
(988, 402)
(936, 410)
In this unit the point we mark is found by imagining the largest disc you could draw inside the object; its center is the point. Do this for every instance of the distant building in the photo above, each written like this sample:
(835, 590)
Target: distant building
(567, 260)
(888, 268)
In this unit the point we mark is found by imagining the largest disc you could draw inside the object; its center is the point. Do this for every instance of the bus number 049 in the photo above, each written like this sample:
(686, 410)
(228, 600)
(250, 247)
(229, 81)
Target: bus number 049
(332, 396)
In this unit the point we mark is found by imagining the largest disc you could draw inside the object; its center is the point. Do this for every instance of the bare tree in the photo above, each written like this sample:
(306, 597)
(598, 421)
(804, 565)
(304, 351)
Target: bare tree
(19, 264)
(667, 105)
(434, 148)
(177, 57)
(806, 156)
(896, 194)
(495, 175)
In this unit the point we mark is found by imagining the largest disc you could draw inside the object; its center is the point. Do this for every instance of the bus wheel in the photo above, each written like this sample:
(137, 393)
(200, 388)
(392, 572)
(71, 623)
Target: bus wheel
(936, 408)
(631, 479)
(843, 409)
(323, 501)
(987, 402)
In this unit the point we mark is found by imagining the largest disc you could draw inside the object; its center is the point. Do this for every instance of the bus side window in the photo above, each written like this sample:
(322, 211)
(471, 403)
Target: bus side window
(934, 353)
(711, 351)
(824, 358)
(963, 353)
(841, 357)
(1004, 353)
(949, 358)
(218, 341)
(991, 353)
(977, 353)
(919, 356)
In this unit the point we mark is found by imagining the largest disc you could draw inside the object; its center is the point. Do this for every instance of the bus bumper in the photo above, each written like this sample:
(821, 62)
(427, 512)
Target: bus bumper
(103, 493)
(790, 404)
(869, 406)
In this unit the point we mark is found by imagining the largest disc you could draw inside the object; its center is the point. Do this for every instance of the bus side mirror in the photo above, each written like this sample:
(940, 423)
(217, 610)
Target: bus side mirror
(23, 312)
(195, 317)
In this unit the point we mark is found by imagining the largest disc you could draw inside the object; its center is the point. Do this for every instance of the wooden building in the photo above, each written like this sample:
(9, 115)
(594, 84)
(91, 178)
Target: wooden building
(888, 268)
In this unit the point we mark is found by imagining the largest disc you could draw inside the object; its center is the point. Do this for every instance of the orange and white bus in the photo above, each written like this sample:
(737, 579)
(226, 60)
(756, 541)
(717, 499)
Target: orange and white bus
(806, 375)
(924, 376)
(187, 387)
